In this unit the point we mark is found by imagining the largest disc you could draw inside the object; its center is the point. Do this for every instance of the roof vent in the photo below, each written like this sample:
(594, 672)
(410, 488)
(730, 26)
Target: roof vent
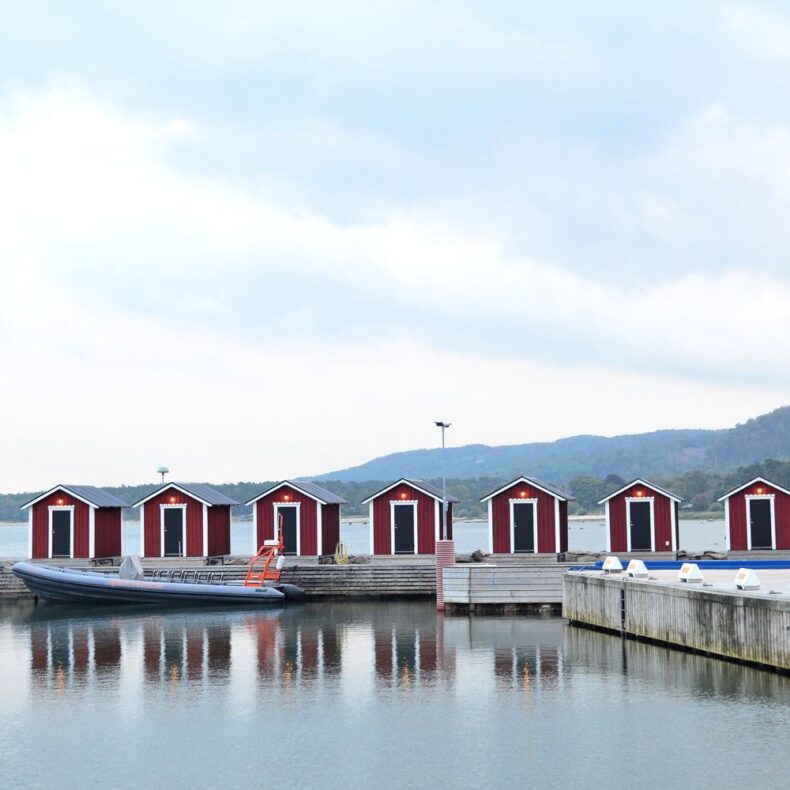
(612, 565)
(746, 579)
(690, 573)
(636, 569)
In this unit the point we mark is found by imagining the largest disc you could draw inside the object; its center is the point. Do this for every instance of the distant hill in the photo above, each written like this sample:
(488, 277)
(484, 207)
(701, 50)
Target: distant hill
(659, 454)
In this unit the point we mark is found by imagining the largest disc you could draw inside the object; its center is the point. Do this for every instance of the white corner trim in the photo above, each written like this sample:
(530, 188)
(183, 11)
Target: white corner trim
(557, 548)
(91, 532)
(319, 528)
(162, 508)
(727, 539)
(50, 509)
(651, 501)
(673, 509)
(608, 529)
(772, 499)
(524, 501)
(437, 522)
(142, 530)
(490, 527)
(205, 529)
(370, 528)
(393, 504)
(255, 540)
(30, 533)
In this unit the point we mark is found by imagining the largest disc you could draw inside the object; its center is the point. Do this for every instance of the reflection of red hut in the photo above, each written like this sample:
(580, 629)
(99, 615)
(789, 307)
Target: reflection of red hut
(74, 521)
(757, 514)
(527, 516)
(640, 516)
(310, 517)
(185, 520)
(405, 517)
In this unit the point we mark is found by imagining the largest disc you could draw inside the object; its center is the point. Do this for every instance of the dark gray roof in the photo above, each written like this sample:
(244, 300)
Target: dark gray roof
(319, 492)
(307, 487)
(551, 489)
(429, 489)
(201, 491)
(95, 496)
(640, 481)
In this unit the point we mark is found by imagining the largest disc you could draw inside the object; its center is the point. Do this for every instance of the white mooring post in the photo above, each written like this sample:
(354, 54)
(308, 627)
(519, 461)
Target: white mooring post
(746, 579)
(612, 565)
(690, 573)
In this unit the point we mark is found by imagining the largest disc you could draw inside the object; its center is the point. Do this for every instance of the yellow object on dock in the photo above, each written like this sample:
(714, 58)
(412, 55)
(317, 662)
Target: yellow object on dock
(341, 554)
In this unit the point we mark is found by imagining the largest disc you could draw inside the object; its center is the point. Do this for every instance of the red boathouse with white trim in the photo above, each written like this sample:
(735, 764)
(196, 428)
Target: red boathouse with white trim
(641, 516)
(185, 520)
(406, 516)
(70, 521)
(527, 516)
(757, 516)
(310, 517)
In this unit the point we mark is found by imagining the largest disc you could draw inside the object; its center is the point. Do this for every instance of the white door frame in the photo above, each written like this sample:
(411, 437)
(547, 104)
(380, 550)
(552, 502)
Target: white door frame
(298, 506)
(524, 501)
(652, 502)
(393, 504)
(50, 509)
(772, 499)
(162, 509)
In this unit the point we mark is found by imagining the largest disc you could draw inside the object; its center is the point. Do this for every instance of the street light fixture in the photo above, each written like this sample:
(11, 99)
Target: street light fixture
(163, 470)
(442, 532)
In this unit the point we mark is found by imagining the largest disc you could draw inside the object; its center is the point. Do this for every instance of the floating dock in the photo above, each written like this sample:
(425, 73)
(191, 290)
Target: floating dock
(504, 589)
(716, 619)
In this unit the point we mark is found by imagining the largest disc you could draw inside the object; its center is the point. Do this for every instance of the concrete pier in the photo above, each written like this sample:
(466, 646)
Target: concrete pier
(718, 620)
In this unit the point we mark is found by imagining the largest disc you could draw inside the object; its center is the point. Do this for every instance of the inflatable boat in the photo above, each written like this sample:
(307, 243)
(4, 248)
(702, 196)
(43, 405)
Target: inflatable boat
(69, 584)
(262, 584)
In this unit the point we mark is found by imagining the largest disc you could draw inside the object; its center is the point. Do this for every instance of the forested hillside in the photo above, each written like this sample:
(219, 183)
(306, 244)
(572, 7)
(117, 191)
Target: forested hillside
(664, 454)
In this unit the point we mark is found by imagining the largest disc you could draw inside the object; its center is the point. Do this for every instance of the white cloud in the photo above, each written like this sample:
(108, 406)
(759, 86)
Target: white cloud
(759, 30)
(121, 281)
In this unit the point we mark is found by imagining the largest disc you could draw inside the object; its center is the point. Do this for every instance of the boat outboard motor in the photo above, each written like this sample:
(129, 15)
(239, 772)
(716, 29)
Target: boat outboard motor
(131, 568)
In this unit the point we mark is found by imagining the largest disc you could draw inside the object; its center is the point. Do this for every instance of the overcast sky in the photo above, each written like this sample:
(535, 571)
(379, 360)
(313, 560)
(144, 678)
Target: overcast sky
(251, 240)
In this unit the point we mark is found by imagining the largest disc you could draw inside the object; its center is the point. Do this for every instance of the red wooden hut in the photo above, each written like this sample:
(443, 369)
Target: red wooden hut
(406, 516)
(527, 516)
(185, 520)
(641, 516)
(310, 517)
(74, 521)
(757, 515)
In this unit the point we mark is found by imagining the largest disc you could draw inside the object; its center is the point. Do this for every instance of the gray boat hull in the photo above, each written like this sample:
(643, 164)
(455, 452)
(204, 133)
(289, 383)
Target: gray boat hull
(67, 584)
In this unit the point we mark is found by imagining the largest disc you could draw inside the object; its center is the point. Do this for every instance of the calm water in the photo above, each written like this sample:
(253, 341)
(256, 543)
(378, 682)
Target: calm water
(370, 695)
(471, 535)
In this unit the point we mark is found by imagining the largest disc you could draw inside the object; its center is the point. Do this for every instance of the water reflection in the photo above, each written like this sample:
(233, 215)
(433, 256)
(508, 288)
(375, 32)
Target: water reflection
(368, 649)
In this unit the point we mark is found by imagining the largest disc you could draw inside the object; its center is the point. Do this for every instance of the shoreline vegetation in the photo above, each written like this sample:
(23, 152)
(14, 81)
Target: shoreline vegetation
(699, 490)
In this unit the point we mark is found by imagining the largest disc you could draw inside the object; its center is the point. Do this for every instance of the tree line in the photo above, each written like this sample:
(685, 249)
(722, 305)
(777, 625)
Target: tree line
(698, 489)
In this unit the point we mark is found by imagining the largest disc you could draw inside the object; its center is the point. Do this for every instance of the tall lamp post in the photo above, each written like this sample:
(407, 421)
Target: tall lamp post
(443, 532)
